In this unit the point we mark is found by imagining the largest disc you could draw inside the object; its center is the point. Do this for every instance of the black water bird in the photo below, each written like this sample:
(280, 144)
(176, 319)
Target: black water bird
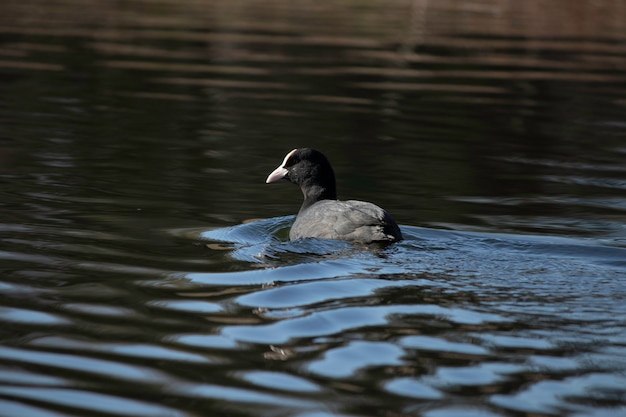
(322, 215)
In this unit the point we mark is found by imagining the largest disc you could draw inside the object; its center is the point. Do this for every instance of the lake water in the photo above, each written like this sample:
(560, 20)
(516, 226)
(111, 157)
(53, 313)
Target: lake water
(145, 266)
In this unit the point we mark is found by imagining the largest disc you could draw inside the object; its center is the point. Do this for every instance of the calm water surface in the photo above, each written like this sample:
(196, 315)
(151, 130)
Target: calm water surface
(145, 268)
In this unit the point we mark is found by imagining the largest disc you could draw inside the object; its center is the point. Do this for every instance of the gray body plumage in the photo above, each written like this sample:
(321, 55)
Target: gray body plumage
(354, 220)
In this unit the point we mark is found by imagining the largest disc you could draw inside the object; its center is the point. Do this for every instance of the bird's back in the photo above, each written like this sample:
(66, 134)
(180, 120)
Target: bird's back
(347, 220)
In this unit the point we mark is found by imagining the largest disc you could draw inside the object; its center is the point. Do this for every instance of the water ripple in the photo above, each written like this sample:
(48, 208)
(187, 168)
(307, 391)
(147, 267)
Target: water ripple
(90, 401)
(92, 366)
(328, 322)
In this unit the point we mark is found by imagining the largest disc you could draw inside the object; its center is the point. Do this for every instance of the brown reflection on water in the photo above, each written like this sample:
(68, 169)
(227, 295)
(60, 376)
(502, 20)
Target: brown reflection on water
(366, 24)
(537, 17)
(392, 47)
(167, 66)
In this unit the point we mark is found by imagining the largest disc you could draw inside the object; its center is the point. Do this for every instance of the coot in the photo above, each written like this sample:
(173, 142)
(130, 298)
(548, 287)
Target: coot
(322, 215)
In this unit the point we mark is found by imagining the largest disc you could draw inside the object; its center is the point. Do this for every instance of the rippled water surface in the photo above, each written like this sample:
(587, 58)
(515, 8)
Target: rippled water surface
(145, 267)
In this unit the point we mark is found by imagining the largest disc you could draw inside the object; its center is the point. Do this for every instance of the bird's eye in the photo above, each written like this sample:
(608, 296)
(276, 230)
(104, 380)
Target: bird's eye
(293, 160)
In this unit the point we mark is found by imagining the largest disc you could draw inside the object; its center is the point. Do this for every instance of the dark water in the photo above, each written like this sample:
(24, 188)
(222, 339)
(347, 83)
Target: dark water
(145, 268)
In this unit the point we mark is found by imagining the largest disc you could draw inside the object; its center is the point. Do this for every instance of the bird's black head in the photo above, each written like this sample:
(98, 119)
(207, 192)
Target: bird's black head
(310, 170)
